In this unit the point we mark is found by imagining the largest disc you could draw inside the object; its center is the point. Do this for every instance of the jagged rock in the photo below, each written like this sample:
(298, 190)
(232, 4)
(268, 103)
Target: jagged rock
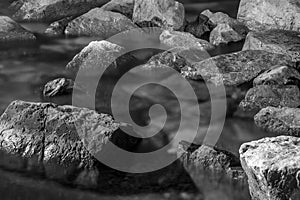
(235, 68)
(279, 120)
(162, 13)
(223, 34)
(11, 31)
(267, 14)
(98, 22)
(58, 28)
(200, 26)
(272, 166)
(263, 96)
(275, 41)
(124, 7)
(51, 10)
(57, 87)
(278, 75)
(178, 39)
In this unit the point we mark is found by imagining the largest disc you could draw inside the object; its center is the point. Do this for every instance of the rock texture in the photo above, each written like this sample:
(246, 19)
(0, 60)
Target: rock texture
(98, 22)
(279, 120)
(272, 166)
(11, 31)
(61, 86)
(161, 13)
(200, 26)
(124, 7)
(281, 14)
(224, 34)
(58, 28)
(275, 41)
(235, 68)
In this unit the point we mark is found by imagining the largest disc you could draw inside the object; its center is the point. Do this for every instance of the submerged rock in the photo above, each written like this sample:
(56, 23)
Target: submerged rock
(61, 86)
(263, 96)
(275, 41)
(272, 166)
(98, 22)
(235, 68)
(283, 14)
(58, 28)
(11, 31)
(161, 13)
(200, 26)
(124, 7)
(279, 120)
(224, 34)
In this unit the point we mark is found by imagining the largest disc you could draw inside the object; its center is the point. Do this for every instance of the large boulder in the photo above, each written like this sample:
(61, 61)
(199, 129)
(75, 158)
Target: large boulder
(275, 41)
(124, 7)
(279, 120)
(58, 28)
(224, 34)
(272, 166)
(168, 14)
(235, 68)
(279, 14)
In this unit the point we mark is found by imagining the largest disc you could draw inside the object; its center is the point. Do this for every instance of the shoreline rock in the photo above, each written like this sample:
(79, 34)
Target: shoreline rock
(124, 7)
(224, 34)
(200, 26)
(57, 87)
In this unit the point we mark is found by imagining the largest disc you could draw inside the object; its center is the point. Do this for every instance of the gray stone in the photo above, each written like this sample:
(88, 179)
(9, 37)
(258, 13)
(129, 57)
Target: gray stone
(224, 34)
(281, 14)
(98, 22)
(168, 14)
(58, 28)
(200, 26)
(235, 68)
(272, 166)
(263, 96)
(11, 31)
(124, 7)
(279, 120)
(275, 41)
(60, 86)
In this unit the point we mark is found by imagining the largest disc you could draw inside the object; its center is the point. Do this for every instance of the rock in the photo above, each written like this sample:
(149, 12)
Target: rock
(178, 39)
(61, 86)
(125, 7)
(167, 14)
(279, 120)
(275, 41)
(223, 34)
(200, 26)
(235, 68)
(98, 22)
(51, 10)
(266, 14)
(263, 96)
(11, 31)
(278, 75)
(58, 28)
(272, 166)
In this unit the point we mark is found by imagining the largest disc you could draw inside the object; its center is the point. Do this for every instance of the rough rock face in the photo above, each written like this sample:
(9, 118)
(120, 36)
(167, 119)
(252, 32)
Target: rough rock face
(223, 34)
(272, 166)
(200, 26)
(263, 96)
(98, 22)
(281, 14)
(10, 31)
(58, 28)
(235, 68)
(162, 13)
(124, 7)
(51, 10)
(57, 87)
(279, 120)
(275, 41)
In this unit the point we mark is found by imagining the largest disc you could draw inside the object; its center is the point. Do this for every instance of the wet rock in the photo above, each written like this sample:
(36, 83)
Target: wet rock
(224, 34)
(51, 10)
(200, 26)
(275, 41)
(61, 86)
(11, 31)
(58, 28)
(161, 13)
(124, 7)
(272, 166)
(235, 68)
(98, 22)
(263, 96)
(279, 120)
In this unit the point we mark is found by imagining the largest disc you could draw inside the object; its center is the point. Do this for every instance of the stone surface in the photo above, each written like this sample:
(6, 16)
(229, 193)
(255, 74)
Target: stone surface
(58, 28)
(224, 34)
(279, 120)
(124, 7)
(51, 10)
(263, 96)
(281, 14)
(61, 86)
(11, 31)
(272, 166)
(275, 41)
(98, 22)
(162, 13)
(235, 68)
(200, 26)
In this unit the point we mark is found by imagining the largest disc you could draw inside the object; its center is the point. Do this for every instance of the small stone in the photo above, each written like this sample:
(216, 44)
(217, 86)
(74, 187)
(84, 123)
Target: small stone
(275, 41)
(125, 7)
(200, 26)
(61, 86)
(273, 167)
(224, 34)
(58, 28)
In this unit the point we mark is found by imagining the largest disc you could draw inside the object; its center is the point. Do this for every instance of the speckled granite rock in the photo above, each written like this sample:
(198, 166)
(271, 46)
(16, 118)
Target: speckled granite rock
(98, 22)
(11, 31)
(275, 41)
(162, 13)
(51, 10)
(281, 14)
(60, 86)
(58, 28)
(272, 166)
(279, 120)
(235, 68)
(263, 96)
(224, 34)
(124, 7)
(200, 26)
